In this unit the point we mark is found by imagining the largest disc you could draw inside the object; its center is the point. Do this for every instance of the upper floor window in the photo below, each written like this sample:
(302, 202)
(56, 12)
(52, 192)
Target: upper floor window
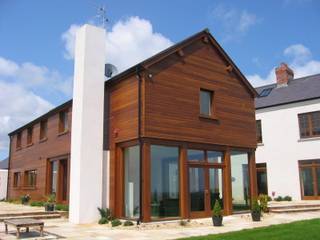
(16, 179)
(43, 129)
(259, 131)
(309, 124)
(29, 135)
(30, 178)
(206, 102)
(18, 142)
(63, 121)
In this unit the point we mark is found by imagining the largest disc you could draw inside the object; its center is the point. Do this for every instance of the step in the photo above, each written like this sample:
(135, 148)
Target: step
(27, 214)
(38, 216)
(295, 206)
(294, 210)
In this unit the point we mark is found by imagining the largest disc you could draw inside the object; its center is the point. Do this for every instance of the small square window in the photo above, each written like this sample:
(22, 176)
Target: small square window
(206, 98)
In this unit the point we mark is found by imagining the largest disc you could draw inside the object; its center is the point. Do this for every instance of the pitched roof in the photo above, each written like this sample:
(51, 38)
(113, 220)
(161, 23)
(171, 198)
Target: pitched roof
(300, 89)
(4, 163)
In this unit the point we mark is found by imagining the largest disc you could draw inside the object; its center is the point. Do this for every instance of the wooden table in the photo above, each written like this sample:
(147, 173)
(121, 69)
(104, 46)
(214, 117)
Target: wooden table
(24, 223)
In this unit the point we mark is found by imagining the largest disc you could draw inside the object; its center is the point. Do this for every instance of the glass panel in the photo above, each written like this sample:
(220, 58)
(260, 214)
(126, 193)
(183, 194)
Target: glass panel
(215, 157)
(259, 131)
(195, 155)
(196, 188)
(262, 182)
(164, 181)
(216, 190)
(318, 179)
(132, 181)
(54, 176)
(315, 123)
(205, 102)
(307, 181)
(240, 181)
(304, 125)
(64, 166)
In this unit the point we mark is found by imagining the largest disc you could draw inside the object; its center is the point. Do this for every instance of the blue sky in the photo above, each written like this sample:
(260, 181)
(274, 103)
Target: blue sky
(36, 36)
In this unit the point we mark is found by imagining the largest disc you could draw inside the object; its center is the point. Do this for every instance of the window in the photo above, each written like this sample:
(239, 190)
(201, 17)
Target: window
(164, 181)
(43, 129)
(18, 143)
(265, 92)
(16, 179)
(206, 98)
(29, 135)
(63, 121)
(195, 155)
(259, 131)
(309, 124)
(262, 180)
(30, 178)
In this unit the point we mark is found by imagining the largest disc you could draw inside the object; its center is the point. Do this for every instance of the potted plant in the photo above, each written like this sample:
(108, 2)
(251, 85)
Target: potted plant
(49, 205)
(25, 199)
(256, 211)
(217, 214)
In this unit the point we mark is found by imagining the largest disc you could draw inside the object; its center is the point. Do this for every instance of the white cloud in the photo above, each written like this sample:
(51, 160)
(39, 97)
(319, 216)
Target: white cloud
(235, 22)
(127, 43)
(300, 61)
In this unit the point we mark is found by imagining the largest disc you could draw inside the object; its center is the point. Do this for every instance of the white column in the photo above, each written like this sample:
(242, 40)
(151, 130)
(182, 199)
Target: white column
(87, 125)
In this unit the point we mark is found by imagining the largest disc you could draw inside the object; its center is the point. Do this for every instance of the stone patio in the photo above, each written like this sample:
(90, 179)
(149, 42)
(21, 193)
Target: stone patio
(62, 229)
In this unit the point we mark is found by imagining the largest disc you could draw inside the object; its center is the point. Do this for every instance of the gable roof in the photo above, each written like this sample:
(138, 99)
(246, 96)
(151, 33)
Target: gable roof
(173, 49)
(151, 60)
(300, 89)
(4, 163)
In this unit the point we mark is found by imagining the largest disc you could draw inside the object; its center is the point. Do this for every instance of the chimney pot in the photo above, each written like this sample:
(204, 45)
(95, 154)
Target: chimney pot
(284, 74)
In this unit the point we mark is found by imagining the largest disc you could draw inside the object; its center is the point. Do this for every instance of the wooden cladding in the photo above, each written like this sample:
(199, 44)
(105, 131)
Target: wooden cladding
(309, 124)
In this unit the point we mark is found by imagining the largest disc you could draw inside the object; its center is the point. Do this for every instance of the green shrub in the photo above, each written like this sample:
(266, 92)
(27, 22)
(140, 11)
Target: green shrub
(103, 220)
(256, 206)
(25, 199)
(128, 223)
(62, 207)
(287, 198)
(278, 199)
(263, 202)
(105, 213)
(115, 222)
(217, 211)
(37, 204)
(269, 199)
(51, 198)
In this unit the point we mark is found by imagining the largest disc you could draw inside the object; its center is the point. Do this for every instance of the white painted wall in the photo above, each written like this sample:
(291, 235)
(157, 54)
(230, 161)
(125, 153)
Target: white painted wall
(86, 181)
(282, 147)
(3, 183)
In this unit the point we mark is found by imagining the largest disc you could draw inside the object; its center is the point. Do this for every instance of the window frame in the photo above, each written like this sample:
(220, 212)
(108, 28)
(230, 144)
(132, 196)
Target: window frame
(16, 180)
(63, 118)
(212, 114)
(43, 130)
(26, 178)
(310, 126)
(259, 131)
(18, 140)
(30, 136)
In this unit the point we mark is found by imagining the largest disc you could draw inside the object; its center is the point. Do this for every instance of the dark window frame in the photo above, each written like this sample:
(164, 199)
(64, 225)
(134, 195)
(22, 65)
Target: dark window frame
(259, 131)
(63, 121)
(16, 179)
(26, 178)
(310, 128)
(18, 140)
(43, 129)
(29, 136)
(212, 112)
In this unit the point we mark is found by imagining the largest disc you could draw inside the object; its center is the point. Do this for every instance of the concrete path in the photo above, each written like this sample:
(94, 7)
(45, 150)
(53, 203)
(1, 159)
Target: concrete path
(62, 229)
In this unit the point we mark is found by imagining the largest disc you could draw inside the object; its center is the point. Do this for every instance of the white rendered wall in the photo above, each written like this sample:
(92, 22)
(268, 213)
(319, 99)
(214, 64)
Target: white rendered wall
(282, 147)
(3, 183)
(87, 125)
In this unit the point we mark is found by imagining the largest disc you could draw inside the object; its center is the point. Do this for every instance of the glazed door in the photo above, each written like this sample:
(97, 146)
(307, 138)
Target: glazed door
(310, 179)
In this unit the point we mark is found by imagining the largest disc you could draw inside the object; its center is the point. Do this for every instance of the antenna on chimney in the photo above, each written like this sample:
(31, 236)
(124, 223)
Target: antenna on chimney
(102, 15)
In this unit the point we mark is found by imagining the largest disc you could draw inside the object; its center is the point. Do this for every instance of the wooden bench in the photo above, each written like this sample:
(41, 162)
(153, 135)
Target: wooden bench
(24, 223)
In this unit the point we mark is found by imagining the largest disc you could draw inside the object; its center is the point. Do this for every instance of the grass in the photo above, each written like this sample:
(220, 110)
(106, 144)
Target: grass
(301, 230)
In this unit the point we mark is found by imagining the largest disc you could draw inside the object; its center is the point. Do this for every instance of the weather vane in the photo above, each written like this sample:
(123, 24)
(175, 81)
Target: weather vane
(102, 16)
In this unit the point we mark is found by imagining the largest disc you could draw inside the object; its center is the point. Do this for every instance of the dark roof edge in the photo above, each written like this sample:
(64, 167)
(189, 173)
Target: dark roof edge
(279, 104)
(47, 114)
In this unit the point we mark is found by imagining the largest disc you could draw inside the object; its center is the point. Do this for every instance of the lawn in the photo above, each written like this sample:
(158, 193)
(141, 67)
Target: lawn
(301, 230)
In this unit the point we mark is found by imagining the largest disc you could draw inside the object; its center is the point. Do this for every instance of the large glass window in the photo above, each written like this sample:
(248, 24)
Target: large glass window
(307, 181)
(197, 189)
(164, 181)
(240, 180)
(132, 181)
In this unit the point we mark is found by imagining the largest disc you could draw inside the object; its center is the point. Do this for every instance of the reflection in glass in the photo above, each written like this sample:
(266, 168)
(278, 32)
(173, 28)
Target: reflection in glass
(196, 189)
(164, 181)
(132, 180)
(215, 157)
(262, 182)
(195, 155)
(240, 181)
(307, 181)
(216, 190)
(54, 177)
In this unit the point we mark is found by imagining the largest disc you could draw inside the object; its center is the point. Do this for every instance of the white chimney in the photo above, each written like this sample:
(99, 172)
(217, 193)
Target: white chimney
(87, 125)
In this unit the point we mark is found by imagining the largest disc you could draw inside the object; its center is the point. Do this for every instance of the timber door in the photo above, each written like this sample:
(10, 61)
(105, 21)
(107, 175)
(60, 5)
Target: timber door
(58, 179)
(310, 179)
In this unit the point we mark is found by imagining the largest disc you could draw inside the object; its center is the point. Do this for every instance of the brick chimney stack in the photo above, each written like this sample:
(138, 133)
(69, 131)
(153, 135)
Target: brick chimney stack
(284, 74)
